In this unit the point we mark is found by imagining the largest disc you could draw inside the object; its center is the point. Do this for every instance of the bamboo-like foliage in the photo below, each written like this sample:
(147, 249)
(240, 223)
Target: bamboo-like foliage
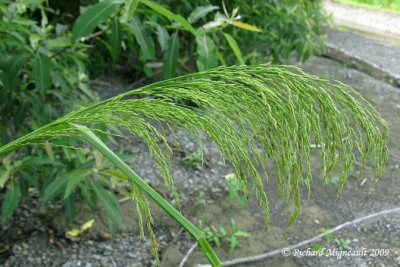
(254, 114)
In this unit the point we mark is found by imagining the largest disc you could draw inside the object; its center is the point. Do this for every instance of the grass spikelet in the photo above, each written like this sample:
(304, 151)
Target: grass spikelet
(254, 114)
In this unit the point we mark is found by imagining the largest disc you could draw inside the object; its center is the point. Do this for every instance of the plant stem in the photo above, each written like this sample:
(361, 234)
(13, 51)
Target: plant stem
(93, 140)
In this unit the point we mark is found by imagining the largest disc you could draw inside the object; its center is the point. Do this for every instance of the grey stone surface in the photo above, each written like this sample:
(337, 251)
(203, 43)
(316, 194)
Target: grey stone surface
(365, 19)
(375, 58)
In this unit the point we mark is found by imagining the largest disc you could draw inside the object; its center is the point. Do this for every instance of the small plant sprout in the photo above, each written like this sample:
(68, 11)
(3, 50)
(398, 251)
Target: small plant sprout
(334, 180)
(329, 238)
(234, 235)
(237, 192)
(201, 199)
(194, 160)
(220, 235)
(213, 234)
(343, 244)
(317, 247)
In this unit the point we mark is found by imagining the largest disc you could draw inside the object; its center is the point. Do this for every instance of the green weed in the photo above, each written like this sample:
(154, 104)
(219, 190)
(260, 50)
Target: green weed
(220, 235)
(194, 160)
(343, 244)
(237, 192)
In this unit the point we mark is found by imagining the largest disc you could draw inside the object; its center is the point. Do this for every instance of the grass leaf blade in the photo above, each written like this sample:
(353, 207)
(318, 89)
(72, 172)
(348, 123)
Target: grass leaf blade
(206, 53)
(245, 26)
(129, 9)
(91, 18)
(110, 202)
(115, 39)
(171, 57)
(235, 47)
(201, 12)
(11, 200)
(41, 72)
(177, 18)
(54, 188)
(162, 34)
(74, 179)
(143, 39)
(11, 70)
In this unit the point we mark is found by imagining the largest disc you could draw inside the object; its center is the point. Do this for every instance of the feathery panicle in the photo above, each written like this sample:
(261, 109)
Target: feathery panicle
(254, 114)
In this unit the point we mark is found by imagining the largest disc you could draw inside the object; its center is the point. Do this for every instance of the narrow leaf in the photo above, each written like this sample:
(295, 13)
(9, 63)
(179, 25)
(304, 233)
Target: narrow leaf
(92, 17)
(177, 18)
(98, 158)
(171, 57)
(54, 188)
(41, 73)
(69, 207)
(242, 233)
(49, 150)
(11, 200)
(219, 20)
(233, 244)
(213, 24)
(235, 48)
(130, 7)
(31, 180)
(206, 53)
(4, 176)
(221, 58)
(115, 39)
(245, 26)
(36, 161)
(11, 70)
(117, 174)
(144, 40)
(162, 34)
(73, 180)
(200, 12)
(109, 201)
(89, 196)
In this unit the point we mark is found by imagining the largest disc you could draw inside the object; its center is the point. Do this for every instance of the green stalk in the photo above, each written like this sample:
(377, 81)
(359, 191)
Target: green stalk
(93, 140)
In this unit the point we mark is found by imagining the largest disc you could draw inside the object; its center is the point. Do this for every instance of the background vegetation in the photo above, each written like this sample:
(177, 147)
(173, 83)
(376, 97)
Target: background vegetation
(50, 50)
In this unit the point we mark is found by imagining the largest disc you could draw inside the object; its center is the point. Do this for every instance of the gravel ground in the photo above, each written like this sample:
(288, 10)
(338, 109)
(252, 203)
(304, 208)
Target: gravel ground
(37, 240)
